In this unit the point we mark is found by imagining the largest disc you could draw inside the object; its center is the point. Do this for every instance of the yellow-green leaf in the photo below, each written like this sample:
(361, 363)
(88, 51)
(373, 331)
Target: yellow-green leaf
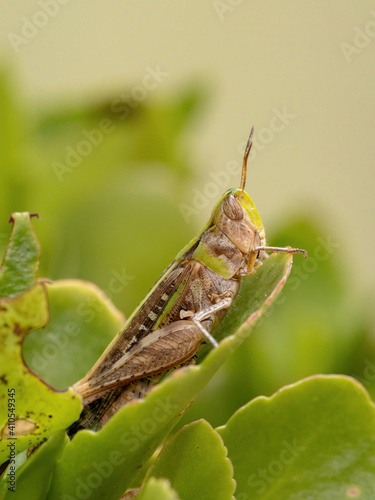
(30, 410)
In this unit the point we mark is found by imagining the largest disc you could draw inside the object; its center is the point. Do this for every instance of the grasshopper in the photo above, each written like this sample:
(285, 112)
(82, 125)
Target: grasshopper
(188, 300)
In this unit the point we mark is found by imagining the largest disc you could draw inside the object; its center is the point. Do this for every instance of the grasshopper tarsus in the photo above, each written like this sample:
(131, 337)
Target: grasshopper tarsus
(206, 333)
(205, 313)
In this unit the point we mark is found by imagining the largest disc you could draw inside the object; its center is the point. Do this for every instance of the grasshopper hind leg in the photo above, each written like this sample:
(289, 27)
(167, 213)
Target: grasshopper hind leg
(167, 348)
(131, 392)
(164, 349)
(97, 413)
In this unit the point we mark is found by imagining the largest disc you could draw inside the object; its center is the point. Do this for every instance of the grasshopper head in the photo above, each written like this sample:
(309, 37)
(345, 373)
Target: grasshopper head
(236, 216)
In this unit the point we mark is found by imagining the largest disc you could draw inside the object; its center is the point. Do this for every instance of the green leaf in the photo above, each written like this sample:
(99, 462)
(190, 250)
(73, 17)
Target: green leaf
(313, 439)
(20, 264)
(127, 442)
(195, 461)
(82, 323)
(39, 411)
(157, 489)
(34, 476)
(30, 411)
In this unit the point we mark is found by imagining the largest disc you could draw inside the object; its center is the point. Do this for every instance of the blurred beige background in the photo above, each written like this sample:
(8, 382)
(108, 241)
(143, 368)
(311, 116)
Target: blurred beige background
(313, 63)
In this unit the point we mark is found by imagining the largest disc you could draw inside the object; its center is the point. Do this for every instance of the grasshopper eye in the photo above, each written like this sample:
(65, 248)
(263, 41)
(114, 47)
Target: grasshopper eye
(232, 208)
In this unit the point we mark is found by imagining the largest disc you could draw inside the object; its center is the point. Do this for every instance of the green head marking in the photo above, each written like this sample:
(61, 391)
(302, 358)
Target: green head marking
(249, 208)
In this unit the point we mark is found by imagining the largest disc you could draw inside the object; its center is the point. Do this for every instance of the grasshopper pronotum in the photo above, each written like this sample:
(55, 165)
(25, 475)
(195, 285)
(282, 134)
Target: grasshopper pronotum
(191, 297)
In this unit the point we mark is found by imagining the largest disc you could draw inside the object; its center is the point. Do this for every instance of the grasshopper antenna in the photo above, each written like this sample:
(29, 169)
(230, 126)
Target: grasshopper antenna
(244, 163)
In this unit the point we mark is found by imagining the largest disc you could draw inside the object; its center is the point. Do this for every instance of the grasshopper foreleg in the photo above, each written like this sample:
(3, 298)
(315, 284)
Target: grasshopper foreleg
(280, 250)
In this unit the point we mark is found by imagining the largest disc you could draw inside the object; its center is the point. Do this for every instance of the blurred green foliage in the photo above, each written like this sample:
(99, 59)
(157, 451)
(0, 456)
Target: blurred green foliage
(134, 178)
